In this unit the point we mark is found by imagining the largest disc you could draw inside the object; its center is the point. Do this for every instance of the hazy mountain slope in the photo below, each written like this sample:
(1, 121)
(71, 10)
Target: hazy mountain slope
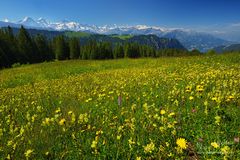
(229, 48)
(150, 40)
(190, 39)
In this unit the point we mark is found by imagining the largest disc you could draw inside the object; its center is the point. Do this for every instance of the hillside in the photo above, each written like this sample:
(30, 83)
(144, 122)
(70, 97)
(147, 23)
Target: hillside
(156, 42)
(150, 40)
(117, 109)
(229, 48)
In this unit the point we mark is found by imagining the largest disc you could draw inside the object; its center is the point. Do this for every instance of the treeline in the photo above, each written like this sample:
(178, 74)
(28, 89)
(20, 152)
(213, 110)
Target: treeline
(23, 48)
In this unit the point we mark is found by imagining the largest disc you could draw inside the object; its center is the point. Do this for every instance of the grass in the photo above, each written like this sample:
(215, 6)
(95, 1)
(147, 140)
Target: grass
(123, 37)
(77, 34)
(166, 108)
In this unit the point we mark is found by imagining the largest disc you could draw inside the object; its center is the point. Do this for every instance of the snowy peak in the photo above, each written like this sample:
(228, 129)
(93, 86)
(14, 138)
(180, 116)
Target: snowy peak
(145, 27)
(6, 20)
(27, 21)
(141, 27)
(42, 22)
(75, 26)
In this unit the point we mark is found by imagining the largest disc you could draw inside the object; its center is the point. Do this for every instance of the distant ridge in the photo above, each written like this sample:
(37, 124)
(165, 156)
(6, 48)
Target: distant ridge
(150, 40)
(189, 38)
(229, 48)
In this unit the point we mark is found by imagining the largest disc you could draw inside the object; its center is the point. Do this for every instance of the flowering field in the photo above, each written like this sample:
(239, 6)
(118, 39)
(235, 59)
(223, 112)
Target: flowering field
(167, 108)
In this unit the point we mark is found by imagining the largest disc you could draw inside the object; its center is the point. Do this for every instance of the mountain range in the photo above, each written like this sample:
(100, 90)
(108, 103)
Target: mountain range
(189, 38)
(149, 40)
(226, 49)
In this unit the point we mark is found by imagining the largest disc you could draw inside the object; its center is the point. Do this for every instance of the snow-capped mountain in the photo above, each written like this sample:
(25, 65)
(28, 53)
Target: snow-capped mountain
(75, 26)
(190, 39)
(27, 21)
(43, 23)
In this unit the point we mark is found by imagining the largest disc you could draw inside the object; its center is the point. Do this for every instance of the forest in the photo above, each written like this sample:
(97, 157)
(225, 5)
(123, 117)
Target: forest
(23, 48)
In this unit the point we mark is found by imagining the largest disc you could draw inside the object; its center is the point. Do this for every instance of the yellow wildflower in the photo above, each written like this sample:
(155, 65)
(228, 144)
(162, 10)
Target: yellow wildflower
(58, 110)
(149, 148)
(214, 144)
(119, 137)
(214, 99)
(182, 143)
(28, 153)
(191, 98)
(99, 132)
(161, 128)
(171, 114)
(62, 122)
(130, 141)
(94, 144)
(230, 97)
(9, 143)
(83, 118)
(138, 158)
(188, 89)
(217, 120)
(46, 121)
(199, 88)
(162, 112)
(225, 149)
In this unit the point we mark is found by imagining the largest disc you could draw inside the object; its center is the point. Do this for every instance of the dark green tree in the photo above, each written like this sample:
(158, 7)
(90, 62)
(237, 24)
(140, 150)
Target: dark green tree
(133, 50)
(74, 48)
(106, 50)
(195, 52)
(84, 53)
(3, 59)
(13, 53)
(211, 52)
(60, 48)
(43, 48)
(118, 51)
(26, 47)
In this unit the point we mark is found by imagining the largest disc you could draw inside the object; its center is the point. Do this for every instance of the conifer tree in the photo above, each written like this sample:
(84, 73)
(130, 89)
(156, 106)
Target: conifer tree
(3, 59)
(118, 51)
(13, 54)
(74, 48)
(43, 48)
(26, 47)
(60, 48)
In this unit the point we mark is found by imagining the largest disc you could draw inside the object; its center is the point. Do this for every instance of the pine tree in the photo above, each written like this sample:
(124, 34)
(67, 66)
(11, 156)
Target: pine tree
(26, 47)
(83, 51)
(13, 54)
(3, 59)
(126, 50)
(8, 45)
(60, 48)
(92, 50)
(106, 50)
(133, 50)
(118, 51)
(74, 47)
(43, 48)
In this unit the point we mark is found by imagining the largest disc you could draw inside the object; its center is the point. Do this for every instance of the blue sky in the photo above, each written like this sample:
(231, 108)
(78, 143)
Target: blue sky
(205, 15)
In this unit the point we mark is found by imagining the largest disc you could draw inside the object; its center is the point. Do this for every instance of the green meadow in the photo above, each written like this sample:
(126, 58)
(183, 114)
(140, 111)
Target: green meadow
(146, 108)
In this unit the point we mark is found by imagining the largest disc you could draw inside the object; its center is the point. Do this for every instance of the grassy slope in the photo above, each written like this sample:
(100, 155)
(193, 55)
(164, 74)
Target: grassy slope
(31, 94)
(61, 69)
(77, 34)
(123, 37)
